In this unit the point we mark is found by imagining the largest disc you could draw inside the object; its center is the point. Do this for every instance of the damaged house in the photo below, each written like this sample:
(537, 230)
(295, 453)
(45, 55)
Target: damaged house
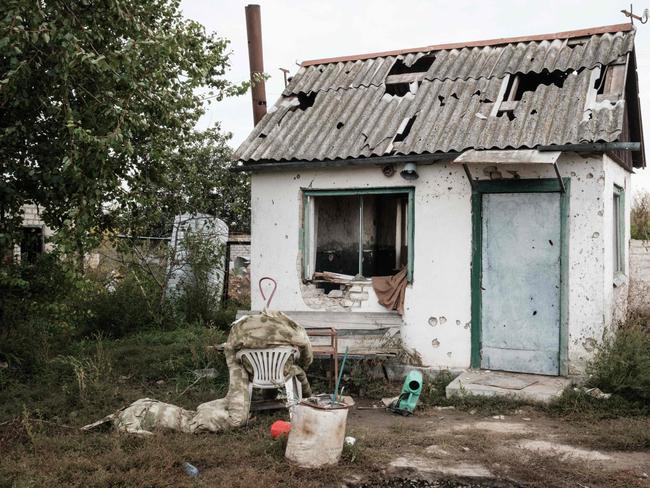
(493, 175)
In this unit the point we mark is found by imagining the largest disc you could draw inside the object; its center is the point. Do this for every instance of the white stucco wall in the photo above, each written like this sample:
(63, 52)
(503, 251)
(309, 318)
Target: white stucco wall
(442, 249)
(616, 296)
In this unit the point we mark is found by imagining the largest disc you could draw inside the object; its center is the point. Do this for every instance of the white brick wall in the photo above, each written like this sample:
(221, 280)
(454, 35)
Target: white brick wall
(32, 218)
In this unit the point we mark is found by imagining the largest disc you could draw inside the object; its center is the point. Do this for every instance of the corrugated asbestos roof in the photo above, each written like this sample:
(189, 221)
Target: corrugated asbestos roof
(352, 115)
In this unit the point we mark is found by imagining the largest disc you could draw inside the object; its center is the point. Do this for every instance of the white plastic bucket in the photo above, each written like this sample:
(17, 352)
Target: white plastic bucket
(317, 435)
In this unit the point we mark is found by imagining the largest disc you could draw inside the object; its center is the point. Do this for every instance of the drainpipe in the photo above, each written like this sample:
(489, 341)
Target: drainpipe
(256, 61)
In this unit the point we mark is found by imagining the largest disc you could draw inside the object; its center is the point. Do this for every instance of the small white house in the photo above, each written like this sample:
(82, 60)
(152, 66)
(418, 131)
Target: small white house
(497, 173)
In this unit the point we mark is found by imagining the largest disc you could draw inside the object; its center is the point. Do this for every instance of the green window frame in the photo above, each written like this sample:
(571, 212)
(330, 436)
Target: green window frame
(307, 246)
(618, 230)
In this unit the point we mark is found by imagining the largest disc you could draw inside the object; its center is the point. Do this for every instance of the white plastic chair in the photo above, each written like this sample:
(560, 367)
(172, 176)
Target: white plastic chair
(268, 371)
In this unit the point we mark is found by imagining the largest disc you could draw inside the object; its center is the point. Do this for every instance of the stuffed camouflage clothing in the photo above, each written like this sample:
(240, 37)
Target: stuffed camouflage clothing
(266, 330)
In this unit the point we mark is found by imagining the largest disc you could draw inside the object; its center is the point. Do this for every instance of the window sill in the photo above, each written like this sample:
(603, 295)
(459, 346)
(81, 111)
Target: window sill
(620, 279)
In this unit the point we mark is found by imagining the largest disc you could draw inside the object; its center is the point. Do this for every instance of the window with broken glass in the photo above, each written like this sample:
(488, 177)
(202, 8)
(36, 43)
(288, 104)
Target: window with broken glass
(618, 231)
(358, 234)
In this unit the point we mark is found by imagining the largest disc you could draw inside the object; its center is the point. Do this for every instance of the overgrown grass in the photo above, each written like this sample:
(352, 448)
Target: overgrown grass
(94, 377)
(578, 405)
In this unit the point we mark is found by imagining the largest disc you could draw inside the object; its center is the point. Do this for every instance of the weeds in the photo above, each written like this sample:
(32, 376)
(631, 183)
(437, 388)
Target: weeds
(640, 217)
(622, 363)
(90, 372)
(577, 405)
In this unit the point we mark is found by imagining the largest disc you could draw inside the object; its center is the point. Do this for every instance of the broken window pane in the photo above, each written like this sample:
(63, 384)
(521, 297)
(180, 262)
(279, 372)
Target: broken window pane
(384, 232)
(337, 234)
(359, 235)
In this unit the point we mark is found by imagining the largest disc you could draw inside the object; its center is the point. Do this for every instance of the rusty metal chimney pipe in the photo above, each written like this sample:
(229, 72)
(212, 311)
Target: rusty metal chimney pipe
(256, 61)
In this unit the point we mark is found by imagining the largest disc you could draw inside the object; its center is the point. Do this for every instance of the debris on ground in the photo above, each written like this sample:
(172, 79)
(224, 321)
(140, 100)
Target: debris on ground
(205, 373)
(594, 392)
(280, 428)
(408, 398)
(435, 483)
(190, 469)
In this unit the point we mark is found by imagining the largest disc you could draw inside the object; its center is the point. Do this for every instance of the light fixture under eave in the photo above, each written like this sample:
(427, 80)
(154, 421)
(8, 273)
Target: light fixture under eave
(409, 172)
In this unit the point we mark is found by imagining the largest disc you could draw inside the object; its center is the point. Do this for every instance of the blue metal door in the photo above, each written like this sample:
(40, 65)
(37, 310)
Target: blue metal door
(520, 288)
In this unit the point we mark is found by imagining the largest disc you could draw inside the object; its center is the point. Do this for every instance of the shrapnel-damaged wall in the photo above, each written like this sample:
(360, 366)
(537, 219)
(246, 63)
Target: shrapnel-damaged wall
(437, 317)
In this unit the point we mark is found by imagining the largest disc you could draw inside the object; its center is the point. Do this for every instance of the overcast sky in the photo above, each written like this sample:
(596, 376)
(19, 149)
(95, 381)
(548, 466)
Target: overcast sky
(297, 30)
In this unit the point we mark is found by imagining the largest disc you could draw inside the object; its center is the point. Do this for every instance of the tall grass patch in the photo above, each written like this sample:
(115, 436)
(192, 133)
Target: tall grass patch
(622, 362)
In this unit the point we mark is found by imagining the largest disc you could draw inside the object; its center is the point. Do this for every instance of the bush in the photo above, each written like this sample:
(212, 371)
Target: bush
(38, 310)
(622, 363)
(124, 306)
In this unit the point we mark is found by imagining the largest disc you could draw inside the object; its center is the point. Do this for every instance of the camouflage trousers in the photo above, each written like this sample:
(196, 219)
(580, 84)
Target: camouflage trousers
(257, 331)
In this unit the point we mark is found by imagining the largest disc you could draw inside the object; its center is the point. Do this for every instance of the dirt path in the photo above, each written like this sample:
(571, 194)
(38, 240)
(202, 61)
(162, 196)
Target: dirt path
(523, 449)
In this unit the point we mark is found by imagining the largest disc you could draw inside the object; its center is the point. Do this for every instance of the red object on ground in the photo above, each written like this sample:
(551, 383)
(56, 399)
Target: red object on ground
(280, 427)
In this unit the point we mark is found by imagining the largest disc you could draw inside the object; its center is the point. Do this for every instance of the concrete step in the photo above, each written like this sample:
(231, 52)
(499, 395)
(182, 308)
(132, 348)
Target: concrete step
(531, 387)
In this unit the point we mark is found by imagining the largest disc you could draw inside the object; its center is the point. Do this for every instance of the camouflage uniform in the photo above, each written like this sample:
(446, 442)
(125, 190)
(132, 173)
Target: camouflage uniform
(268, 329)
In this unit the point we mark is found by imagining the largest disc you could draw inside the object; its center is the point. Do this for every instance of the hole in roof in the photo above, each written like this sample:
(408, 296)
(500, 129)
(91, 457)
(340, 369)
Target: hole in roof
(533, 112)
(485, 100)
(477, 92)
(306, 100)
(410, 84)
(510, 114)
(262, 135)
(442, 100)
(402, 134)
(401, 89)
(453, 95)
(422, 65)
(599, 85)
(532, 81)
(340, 125)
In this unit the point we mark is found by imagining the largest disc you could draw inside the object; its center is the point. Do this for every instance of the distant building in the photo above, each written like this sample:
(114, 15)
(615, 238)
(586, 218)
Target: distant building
(34, 235)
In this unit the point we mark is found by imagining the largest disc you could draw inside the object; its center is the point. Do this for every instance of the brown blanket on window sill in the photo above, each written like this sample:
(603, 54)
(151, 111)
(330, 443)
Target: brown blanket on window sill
(390, 290)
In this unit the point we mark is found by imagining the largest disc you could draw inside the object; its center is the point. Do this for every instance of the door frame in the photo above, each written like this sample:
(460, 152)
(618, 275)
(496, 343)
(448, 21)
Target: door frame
(543, 185)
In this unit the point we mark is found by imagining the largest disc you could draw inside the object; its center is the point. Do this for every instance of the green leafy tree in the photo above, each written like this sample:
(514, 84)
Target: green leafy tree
(193, 180)
(98, 100)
